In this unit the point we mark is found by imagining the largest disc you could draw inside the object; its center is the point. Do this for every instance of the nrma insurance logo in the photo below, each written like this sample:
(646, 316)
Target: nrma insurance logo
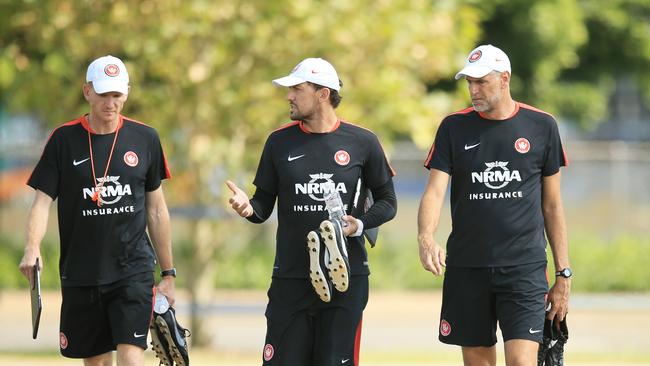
(110, 190)
(320, 186)
(496, 175)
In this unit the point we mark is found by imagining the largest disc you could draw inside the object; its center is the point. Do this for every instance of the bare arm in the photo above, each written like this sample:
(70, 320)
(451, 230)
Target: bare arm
(556, 232)
(36, 227)
(159, 227)
(432, 255)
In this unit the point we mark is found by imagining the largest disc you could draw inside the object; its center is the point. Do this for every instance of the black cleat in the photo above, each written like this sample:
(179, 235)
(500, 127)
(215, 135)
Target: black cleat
(551, 351)
(321, 285)
(168, 338)
(159, 345)
(338, 264)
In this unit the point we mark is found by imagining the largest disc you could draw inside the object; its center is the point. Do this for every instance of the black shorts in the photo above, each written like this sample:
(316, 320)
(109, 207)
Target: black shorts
(475, 299)
(303, 330)
(95, 319)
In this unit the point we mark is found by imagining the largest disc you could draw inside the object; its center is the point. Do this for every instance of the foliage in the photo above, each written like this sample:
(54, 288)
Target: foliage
(566, 54)
(201, 70)
(600, 264)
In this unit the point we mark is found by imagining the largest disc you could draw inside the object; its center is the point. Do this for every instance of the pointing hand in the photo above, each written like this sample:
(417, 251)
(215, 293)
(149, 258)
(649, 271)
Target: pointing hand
(239, 201)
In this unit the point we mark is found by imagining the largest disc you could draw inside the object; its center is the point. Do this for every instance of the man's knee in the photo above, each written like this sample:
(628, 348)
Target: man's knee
(521, 352)
(105, 359)
(129, 355)
(479, 356)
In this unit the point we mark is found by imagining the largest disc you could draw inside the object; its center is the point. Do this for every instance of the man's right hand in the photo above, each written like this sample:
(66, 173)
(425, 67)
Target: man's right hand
(27, 265)
(432, 256)
(239, 201)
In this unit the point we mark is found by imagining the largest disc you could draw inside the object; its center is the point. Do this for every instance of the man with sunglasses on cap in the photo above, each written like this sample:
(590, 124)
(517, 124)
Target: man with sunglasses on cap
(315, 318)
(504, 159)
(106, 171)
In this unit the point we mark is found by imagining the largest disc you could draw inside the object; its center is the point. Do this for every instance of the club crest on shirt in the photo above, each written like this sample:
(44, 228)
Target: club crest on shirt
(131, 158)
(522, 145)
(342, 157)
(268, 352)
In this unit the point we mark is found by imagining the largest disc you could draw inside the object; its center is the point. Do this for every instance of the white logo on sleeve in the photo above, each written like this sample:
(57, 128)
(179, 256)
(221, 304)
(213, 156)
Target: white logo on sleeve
(531, 331)
(468, 147)
(136, 335)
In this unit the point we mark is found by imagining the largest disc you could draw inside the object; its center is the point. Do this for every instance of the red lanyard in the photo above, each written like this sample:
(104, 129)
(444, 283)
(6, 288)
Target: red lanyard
(98, 186)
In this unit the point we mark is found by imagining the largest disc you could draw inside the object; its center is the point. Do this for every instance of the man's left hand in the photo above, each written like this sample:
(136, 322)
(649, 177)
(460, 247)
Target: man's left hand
(167, 287)
(558, 297)
(350, 225)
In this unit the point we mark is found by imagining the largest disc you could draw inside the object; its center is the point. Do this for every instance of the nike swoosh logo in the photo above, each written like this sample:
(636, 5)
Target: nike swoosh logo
(344, 361)
(136, 335)
(531, 331)
(292, 158)
(75, 162)
(467, 147)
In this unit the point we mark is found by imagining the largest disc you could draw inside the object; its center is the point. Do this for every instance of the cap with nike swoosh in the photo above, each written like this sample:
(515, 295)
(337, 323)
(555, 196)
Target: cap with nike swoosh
(483, 60)
(313, 70)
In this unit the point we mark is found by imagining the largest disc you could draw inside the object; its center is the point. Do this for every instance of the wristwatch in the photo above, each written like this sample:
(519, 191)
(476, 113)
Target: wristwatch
(566, 273)
(168, 272)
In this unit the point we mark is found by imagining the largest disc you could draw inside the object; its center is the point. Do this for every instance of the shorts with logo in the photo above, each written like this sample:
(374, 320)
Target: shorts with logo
(95, 319)
(474, 299)
(303, 330)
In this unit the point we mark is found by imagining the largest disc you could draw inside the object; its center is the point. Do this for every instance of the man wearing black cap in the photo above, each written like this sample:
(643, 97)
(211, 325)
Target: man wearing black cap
(504, 159)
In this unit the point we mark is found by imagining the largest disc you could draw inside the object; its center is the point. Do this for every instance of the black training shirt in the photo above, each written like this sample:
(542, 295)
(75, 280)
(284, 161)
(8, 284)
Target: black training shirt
(496, 169)
(100, 245)
(300, 167)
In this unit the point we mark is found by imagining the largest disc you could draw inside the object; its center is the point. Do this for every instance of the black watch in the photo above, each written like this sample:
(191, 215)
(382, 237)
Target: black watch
(168, 272)
(566, 273)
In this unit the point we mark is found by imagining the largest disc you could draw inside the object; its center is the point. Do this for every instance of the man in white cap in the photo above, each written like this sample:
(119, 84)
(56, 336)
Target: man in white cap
(302, 164)
(504, 159)
(106, 171)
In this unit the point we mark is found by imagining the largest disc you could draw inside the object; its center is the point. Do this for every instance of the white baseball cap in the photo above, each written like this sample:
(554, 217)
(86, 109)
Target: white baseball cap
(314, 70)
(484, 59)
(108, 74)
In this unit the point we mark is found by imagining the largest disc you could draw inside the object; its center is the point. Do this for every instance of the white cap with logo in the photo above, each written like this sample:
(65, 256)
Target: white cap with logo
(483, 60)
(108, 74)
(314, 70)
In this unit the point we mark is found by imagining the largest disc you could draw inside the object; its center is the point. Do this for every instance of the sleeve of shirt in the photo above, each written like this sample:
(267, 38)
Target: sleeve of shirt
(158, 168)
(555, 156)
(46, 174)
(266, 177)
(383, 208)
(263, 203)
(440, 153)
(376, 170)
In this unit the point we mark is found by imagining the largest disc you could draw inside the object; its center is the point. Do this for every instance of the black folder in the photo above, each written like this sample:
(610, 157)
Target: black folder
(37, 305)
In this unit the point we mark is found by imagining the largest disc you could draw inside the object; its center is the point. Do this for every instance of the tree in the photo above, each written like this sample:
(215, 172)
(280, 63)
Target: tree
(201, 73)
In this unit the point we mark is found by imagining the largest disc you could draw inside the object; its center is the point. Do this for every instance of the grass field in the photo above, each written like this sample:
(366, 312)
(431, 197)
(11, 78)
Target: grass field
(210, 358)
